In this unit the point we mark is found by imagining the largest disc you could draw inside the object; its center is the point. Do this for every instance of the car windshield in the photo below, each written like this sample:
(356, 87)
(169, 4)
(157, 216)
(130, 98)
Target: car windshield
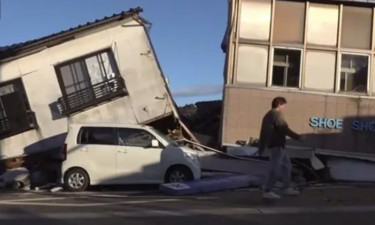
(165, 137)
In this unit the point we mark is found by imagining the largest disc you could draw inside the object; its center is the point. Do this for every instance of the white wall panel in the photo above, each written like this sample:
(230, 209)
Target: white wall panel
(252, 64)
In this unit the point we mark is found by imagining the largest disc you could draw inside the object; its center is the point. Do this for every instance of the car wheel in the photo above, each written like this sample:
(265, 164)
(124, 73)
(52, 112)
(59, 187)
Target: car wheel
(76, 180)
(178, 174)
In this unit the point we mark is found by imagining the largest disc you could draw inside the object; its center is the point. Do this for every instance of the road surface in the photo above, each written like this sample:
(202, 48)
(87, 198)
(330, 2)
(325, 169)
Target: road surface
(323, 206)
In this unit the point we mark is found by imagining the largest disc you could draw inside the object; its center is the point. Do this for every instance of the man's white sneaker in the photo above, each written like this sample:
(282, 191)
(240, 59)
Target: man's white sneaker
(271, 196)
(291, 192)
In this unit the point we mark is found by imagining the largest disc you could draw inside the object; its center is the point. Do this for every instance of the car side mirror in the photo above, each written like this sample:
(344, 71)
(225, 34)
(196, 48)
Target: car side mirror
(155, 143)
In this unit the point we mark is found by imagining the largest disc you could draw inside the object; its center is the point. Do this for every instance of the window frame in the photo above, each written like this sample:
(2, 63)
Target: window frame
(82, 58)
(30, 115)
(83, 128)
(269, 83)
(338, 75)
(117, 131)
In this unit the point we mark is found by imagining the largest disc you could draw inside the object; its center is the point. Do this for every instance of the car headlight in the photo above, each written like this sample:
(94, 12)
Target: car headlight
(192, 156)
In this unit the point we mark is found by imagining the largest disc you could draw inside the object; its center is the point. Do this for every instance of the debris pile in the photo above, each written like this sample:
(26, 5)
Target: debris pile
(203, 119)
(17, 178)
(28, 172)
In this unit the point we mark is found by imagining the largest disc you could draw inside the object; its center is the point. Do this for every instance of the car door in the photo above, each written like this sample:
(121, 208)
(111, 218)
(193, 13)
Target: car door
(99, 148)
(137, 160)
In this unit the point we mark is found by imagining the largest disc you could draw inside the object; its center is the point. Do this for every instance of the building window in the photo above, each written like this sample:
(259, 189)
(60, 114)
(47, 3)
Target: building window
(115, 136)
(15, 113)
(289, 22)
(97, 136)
(354, 73)
(286, 68)
(255, 19)
(134, 137)
(322, 25)
(88, 81)
(356, 27)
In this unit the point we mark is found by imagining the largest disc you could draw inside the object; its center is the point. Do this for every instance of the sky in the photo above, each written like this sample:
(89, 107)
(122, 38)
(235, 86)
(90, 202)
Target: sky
(186, 34)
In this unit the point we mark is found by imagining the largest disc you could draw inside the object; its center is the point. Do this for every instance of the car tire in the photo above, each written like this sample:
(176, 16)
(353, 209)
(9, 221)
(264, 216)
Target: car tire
(76, 180)
(178, 174)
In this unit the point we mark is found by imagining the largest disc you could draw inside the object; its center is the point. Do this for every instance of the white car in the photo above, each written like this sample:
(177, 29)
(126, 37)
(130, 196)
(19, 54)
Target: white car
(101, 154)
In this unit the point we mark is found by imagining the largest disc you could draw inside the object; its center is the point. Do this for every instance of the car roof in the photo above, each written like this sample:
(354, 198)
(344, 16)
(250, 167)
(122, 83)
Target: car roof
(117, 125)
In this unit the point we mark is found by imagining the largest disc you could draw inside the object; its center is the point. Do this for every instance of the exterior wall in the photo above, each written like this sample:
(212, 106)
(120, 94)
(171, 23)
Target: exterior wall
(251, 104)
(325, 36)
(147, 98)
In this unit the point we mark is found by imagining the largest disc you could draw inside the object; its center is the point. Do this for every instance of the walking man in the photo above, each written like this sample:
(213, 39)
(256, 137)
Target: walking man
(272, 137)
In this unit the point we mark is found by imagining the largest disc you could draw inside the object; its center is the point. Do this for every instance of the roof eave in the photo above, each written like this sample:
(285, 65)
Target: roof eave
(63, 36)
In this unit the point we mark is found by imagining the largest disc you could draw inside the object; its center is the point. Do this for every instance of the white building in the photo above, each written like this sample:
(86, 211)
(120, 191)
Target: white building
(102, 71)
(318, 54)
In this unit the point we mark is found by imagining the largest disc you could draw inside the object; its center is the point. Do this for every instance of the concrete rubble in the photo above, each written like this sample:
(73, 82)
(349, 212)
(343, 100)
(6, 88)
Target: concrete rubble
(310, 165)
(16, 178)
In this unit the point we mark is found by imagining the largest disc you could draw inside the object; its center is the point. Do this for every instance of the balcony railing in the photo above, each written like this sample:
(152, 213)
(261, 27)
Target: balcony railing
(4, 125)
(9, 128)
(92, 96)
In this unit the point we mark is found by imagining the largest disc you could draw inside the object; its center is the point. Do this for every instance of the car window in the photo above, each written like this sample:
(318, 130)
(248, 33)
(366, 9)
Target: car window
(97, 135)
(166, 138)
(134, 137)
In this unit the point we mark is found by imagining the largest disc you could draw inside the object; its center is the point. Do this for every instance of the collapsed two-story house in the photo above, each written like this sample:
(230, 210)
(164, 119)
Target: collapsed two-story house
(102, 71)
(318, 54)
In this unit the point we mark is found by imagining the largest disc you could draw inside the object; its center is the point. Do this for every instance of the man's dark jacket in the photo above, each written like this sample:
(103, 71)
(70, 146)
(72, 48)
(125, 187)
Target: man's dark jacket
(274, 131)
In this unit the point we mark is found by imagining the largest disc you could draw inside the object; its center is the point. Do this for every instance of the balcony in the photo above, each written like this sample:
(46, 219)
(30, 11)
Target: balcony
(92, 96)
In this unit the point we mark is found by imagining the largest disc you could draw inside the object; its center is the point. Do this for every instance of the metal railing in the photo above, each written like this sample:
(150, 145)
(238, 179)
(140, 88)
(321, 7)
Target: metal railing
(4, 125)
(7, 129)
(92, 96)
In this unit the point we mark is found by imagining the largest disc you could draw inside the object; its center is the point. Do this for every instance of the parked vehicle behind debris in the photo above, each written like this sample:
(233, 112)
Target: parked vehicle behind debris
(101, 154)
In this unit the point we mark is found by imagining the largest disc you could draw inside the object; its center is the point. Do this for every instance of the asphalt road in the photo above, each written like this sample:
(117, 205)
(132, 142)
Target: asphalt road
(331, 206)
